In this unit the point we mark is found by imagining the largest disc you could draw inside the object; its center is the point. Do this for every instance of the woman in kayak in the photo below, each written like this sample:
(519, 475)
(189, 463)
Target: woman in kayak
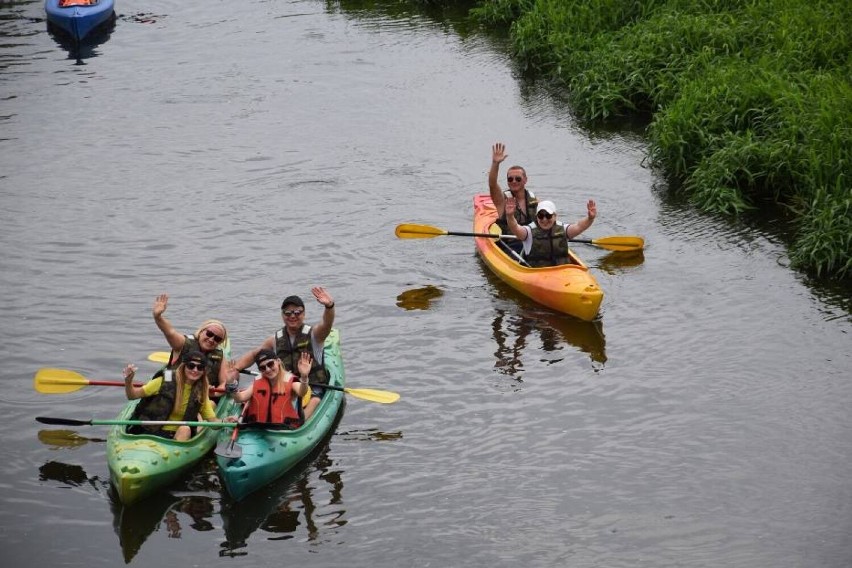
(210, 338)
(173, 394)
(273, 396)
(546, 239)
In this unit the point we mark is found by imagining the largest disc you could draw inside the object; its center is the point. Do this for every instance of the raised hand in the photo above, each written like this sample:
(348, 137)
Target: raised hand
(160, 304)
(498, 152)
(592, 209)
(129, 372)
(232, 374)
(322, 296)
(304, 365)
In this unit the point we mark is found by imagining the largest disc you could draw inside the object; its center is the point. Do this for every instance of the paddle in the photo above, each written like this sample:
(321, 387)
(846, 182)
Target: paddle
(93, 422)
(61, 381)
(231, 449)
(616, 243)
(413, 231)
(373, 395)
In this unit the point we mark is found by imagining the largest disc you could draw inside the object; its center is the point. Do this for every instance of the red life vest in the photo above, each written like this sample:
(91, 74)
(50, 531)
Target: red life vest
(268, 406)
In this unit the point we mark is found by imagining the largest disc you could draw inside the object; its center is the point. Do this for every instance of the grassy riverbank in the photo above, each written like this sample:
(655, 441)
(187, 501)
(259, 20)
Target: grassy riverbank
(750, 102)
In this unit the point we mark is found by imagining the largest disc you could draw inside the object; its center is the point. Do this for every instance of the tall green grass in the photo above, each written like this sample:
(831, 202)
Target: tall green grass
(749, 100)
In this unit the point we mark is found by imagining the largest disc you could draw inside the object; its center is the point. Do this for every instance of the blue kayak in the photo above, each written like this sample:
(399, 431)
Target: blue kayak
(267, 455)
(78, 17)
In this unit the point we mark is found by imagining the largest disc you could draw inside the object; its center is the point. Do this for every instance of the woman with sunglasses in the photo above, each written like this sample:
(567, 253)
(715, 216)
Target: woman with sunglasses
(273, 396)
(172, 394)
(210, 338)
(516, 179)
(546, 240)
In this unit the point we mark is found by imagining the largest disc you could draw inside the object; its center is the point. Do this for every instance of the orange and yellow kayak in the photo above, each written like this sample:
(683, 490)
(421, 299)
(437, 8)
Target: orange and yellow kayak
(569, 288)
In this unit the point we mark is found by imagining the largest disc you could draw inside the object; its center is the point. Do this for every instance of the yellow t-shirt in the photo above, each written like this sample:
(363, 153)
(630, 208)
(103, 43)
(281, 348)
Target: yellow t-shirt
(208, 411)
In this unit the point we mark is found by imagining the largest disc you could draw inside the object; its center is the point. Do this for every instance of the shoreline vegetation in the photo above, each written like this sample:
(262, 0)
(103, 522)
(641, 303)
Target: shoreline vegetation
(749, 102)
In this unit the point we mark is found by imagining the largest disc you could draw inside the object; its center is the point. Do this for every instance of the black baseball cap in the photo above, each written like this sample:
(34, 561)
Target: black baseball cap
(292, 301)
(195, 356)
(263, 355)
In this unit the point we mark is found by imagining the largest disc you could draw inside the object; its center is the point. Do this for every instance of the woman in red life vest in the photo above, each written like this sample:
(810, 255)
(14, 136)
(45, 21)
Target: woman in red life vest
(275, 395)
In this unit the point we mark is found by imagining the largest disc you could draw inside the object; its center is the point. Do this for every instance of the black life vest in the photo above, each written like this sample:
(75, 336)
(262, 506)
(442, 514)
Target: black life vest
(523, 217)
(289, 353)
(160, 405)
(549, 248)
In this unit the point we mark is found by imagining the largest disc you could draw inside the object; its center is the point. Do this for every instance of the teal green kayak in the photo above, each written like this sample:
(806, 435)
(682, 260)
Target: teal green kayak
(141, 464)
(267, 455)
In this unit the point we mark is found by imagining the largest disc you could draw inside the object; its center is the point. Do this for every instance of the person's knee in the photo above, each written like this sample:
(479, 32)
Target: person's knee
(309, 409)
(183, 433)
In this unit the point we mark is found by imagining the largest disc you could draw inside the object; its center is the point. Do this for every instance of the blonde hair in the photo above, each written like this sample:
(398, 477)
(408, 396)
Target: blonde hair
(180, 376)
(225, 343)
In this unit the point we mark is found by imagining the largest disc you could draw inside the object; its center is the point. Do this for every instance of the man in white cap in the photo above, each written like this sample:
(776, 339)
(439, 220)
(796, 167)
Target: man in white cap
(546, 239)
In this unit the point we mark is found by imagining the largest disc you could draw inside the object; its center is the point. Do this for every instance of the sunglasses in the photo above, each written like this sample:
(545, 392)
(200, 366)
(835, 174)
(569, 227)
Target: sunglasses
(213, 336)
(544, 215)
(296, 313)
(518, 179)
(266, 366)
(195, 366)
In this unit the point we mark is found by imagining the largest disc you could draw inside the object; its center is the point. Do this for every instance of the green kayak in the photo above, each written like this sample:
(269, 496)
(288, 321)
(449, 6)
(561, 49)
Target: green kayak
(141, 464)
(267, 455)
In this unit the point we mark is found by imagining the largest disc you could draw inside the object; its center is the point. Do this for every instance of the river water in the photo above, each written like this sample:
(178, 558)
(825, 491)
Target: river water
(231, 154)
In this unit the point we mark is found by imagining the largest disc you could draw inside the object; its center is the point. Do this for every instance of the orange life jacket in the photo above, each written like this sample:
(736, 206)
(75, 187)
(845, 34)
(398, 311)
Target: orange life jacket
(268, 406)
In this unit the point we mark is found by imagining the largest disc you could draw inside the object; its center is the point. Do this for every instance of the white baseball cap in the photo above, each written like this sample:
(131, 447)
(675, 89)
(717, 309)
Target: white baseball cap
(546, 206)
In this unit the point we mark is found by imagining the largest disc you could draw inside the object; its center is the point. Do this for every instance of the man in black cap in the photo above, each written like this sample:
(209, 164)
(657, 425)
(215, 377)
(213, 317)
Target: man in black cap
(296, 338)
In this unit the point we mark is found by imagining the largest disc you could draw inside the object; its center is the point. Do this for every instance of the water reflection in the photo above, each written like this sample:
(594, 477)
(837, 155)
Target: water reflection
(58, 439)
(71, 475)
(620, 261)
(418, 298)
(513, 329)
(87, 48)
(64, 473)
(284, 505)
(133, 525)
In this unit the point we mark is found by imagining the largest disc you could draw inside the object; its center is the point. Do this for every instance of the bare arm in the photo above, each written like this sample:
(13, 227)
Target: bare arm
(244, 394)
(132, 392)
(245, 360)
(575, 229)
(498, 154)
(323, 328)
(175, 339)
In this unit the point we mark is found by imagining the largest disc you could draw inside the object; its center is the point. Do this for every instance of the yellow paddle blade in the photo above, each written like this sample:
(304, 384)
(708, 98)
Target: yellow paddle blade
(159, 357)
(374, 395)
(620, 243)
(58, 381)
(412, 231)
(61, 438)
